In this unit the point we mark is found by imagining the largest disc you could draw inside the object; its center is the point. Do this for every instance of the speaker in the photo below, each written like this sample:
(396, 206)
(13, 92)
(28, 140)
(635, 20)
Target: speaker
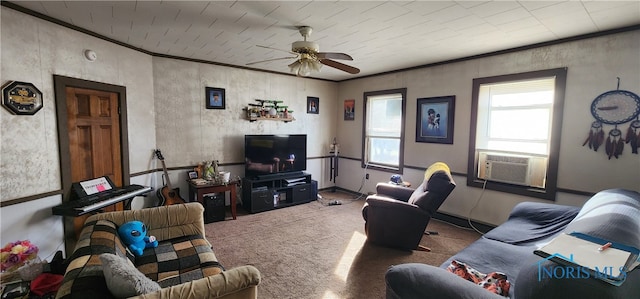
(214, 209)
(314, 190)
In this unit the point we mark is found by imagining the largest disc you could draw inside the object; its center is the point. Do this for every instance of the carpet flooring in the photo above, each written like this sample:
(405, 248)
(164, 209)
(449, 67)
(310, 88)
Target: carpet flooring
(314, 250)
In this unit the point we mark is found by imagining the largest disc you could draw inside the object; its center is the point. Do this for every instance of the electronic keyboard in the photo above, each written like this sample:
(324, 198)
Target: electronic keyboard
(95, 194)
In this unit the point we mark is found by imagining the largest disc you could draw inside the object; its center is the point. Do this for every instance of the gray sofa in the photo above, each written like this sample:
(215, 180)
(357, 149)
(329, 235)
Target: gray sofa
(610, 214)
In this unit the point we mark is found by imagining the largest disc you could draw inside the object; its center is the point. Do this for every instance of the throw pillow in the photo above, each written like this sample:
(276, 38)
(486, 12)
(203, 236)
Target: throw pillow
(123, 279)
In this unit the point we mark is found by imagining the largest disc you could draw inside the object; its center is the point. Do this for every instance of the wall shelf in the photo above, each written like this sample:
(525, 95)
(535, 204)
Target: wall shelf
(268, 110)
(252, 119)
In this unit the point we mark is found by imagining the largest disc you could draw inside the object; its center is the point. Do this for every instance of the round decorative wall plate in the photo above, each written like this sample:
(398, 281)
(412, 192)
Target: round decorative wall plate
(21, 98)
(616, 107)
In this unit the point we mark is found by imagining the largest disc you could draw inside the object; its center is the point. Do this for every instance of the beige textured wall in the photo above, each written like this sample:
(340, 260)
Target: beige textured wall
(165, 102)
(593, 66)
(188, 133)
(33, 51)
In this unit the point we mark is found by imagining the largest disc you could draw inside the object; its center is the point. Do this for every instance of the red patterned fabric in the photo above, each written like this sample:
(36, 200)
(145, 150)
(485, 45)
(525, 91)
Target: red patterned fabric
(494, 282)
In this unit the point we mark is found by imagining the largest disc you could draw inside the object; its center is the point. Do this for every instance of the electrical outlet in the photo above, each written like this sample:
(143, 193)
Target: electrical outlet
(366, 176)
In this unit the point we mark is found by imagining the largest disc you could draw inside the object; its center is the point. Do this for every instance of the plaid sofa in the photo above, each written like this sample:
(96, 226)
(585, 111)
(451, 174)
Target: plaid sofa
(183, 264)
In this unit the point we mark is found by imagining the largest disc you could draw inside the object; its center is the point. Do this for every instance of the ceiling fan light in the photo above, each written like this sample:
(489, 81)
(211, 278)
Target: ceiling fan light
(295, 67)
(305, 47)
(316, 65)
(300, 68)
(305, 68)
(305, 65)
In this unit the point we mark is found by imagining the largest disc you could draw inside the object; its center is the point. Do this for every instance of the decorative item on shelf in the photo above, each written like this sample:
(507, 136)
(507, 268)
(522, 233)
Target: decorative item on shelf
(615, 107)
(211, 172)
(14, 255)
(199, 181)
(268, 110)
(216, 171)
(208, 171)
(199, 170)
(224, 176)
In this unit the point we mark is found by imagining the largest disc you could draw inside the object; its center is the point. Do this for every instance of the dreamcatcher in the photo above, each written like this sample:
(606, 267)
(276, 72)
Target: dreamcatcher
(615, 107)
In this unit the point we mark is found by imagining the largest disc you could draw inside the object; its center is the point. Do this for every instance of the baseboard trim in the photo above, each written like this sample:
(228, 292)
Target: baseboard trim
(453, 219)
(333, 189)
(462, 222)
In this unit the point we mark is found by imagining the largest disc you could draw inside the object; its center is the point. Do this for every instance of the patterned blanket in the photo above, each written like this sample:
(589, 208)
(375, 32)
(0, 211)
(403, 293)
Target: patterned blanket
(495, 282)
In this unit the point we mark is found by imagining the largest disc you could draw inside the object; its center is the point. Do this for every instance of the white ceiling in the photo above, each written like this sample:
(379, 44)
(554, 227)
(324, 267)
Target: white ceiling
(381, 36)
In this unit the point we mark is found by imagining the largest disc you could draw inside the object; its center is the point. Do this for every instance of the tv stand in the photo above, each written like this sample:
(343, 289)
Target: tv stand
(270, 192)
(274, 176)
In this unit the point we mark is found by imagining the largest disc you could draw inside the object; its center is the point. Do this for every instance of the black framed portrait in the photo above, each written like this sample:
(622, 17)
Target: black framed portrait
(313, 105)
(435, 116)
(215, 98)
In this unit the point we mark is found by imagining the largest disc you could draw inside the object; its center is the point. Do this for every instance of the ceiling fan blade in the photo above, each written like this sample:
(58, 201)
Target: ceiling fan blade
(333, 55)
(274, 59)
(287, 51)
(340, 66)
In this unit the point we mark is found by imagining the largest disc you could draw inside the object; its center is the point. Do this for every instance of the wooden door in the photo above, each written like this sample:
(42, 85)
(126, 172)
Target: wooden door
(93, 124)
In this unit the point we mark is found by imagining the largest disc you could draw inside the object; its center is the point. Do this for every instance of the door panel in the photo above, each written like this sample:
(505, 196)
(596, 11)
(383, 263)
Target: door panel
(93, 124)
(81, 152)
(78, 102)
(94, 134)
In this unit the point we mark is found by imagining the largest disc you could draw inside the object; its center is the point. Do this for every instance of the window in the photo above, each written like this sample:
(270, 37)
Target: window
(515, 132)
(383, 130)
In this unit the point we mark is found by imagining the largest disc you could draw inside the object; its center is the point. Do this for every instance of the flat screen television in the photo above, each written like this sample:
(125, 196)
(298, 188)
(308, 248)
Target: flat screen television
(272, 155)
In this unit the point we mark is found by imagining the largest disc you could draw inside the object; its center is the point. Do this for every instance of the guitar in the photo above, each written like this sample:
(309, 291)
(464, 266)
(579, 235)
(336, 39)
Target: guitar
(167, 194)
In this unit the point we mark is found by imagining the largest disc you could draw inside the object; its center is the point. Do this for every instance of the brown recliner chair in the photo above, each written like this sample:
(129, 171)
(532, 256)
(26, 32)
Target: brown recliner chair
(397, 216)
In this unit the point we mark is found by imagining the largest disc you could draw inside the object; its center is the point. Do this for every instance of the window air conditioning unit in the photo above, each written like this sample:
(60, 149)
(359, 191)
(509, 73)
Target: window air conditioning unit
(514, 169)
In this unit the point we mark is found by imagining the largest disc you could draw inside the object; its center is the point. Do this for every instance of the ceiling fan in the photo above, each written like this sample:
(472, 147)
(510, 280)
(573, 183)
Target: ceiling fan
(309, 58)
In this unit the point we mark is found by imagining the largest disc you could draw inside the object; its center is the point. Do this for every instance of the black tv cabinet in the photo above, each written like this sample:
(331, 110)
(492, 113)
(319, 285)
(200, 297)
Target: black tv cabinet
(272, 192)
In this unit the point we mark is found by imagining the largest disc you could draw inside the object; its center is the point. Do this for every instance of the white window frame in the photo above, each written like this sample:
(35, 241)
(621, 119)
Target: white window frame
(389, 129)
(537, 139)
(540, 148)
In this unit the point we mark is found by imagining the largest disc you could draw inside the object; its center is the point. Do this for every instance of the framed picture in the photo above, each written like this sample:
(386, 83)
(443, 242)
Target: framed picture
(434, 123)
(214, 98)
(349, 109)
(193, 175)
(313, 105)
